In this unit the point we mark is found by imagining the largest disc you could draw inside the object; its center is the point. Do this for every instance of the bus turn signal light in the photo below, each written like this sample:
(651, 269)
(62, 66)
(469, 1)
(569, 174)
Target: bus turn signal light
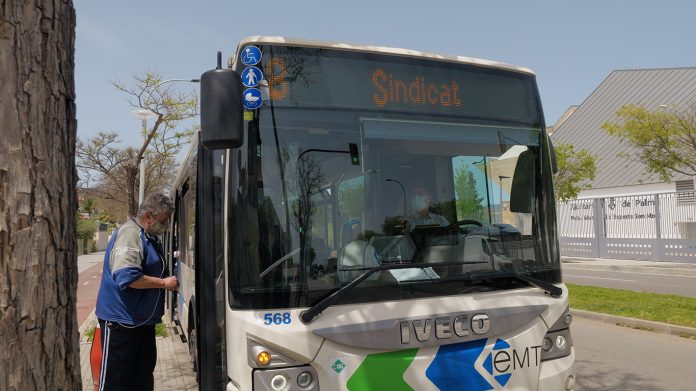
(263, 358)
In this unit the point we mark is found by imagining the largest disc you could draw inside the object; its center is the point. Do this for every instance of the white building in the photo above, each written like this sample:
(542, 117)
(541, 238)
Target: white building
(640, 216)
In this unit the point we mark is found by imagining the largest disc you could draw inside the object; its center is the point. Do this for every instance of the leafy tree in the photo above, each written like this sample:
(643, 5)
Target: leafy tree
(665, 139)
(350, 200)
(111, 210)
(112, 170)
(468, 202)
(88, 205)
(576, 169)
(38, 265)
(104, 209)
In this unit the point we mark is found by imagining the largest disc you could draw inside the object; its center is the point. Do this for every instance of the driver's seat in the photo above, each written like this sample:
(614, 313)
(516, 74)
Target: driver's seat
(359, 255)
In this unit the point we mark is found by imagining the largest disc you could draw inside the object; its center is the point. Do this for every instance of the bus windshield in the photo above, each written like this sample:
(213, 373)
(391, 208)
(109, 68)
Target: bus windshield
(326, 193)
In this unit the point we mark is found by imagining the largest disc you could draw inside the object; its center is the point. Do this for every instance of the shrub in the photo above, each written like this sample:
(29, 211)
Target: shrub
(86, 228)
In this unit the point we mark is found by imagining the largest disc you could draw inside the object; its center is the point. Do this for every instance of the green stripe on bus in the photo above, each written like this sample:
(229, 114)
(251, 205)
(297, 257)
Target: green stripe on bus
(383, 371)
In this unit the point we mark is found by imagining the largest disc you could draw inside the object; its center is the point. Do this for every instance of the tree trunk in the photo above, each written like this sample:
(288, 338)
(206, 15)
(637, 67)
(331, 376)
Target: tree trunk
(39, 347)
(131, 179)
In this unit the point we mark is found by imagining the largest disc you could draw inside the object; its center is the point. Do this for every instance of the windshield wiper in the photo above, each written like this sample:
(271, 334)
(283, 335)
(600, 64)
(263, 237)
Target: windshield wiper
(549, 288)
(309, 315)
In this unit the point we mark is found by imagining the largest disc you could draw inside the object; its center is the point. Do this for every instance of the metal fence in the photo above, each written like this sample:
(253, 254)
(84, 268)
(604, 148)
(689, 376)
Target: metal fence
(650, 227)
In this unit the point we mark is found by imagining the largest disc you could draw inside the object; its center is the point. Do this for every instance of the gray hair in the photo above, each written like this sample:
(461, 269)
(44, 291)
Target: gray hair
(155, 203)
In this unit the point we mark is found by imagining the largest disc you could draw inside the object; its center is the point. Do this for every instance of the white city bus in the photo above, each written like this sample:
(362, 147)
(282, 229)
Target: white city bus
(370, 218)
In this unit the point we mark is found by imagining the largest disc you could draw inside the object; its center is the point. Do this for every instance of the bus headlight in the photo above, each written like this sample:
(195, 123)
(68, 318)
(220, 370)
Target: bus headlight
(556, 344)
(557, 341)
(279, 382)
(302, 377)
(547, 344)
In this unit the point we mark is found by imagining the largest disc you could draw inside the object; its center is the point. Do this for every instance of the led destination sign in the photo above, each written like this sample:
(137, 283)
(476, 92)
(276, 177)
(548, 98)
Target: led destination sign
(419, 91)
(309, 77)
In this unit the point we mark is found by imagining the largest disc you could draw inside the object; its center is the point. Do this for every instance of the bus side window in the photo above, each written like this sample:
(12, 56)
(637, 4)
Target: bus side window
(182, 237)
(190, 228)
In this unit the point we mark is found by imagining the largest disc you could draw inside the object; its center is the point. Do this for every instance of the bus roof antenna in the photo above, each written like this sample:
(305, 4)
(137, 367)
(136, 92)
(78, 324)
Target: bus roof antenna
(219, 60)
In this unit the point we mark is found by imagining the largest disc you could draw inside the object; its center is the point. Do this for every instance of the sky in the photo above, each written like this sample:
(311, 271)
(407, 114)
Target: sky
(571, 46)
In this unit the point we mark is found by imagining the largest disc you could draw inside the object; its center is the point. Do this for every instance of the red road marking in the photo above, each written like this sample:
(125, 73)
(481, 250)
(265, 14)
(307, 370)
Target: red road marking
(87, 294)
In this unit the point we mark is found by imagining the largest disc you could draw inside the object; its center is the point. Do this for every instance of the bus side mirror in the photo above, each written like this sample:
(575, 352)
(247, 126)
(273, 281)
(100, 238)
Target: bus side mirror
(523, 190)
(221, 109)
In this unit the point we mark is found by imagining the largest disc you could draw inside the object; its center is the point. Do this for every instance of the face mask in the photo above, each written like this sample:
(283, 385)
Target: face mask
(418, 202)
(157, 228)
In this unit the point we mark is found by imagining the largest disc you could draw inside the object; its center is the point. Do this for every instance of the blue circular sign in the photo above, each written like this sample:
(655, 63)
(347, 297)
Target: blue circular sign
(251, 77)
(252, 98)
(251, 55)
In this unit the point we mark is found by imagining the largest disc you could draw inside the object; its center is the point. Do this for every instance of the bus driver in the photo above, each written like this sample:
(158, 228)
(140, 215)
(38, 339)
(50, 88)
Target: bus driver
(420, 213)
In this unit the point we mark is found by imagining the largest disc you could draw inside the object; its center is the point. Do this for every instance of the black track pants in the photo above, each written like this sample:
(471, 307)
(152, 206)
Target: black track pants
(129, 356)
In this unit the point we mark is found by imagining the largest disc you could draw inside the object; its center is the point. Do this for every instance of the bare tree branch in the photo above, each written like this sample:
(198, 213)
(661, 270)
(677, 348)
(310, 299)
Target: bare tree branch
(108, 166)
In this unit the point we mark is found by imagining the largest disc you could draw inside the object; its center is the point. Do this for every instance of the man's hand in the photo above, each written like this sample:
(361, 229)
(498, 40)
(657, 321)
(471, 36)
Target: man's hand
(171, 283)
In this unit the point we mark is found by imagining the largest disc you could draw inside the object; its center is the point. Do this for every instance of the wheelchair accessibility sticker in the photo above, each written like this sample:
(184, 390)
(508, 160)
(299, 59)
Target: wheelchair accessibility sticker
(251, 55)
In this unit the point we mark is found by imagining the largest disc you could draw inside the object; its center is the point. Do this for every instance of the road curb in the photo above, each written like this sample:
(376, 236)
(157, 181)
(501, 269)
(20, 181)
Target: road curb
(659, 327)
(89, 322)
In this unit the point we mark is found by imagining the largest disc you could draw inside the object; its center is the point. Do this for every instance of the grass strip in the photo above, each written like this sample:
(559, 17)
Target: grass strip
(672, 309)
(161, 330)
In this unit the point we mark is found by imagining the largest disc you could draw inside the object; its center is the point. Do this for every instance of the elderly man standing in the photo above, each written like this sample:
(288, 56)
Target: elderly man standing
(131, 297)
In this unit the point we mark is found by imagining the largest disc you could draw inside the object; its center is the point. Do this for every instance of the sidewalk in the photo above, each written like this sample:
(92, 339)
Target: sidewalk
(172, 372)
(630, 266)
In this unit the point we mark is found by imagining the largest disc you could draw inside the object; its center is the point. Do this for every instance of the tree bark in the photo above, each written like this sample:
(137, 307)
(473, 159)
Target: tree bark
(39, 347)
(132, 176)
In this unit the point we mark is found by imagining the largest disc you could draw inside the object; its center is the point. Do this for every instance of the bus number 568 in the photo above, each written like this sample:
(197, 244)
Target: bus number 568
(277, 318)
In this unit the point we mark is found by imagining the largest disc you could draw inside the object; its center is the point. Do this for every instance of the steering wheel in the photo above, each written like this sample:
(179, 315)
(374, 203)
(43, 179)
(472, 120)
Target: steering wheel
(465, 222)
(458, 225)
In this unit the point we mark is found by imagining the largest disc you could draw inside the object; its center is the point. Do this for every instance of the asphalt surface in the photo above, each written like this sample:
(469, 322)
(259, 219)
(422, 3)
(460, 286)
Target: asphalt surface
(87, 261)
(620, 358)
(89, 269)
(637, 281)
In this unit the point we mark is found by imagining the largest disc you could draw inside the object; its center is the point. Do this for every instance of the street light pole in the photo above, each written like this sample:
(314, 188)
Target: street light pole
(143, 115)
(501, 177)
(403, 191)
(141, 188)
(156, 85)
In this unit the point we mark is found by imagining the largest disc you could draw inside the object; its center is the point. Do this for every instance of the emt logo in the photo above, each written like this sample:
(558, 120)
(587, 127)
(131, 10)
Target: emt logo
(504, 360)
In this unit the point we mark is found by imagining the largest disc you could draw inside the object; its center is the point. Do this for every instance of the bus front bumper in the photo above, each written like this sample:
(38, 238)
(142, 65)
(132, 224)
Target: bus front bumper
(558, 374)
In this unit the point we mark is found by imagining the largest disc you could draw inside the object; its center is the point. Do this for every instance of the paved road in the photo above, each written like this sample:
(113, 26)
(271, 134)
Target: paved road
(618, 358)
(85, 262)
(651, 282)
(90, 270)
